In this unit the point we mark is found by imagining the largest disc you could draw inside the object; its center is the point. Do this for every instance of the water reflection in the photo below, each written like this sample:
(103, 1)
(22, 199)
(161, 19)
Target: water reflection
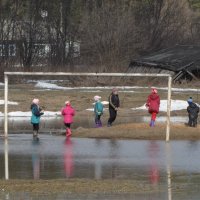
(6, 159)
(68, 158)
(36, 159)
(153, 151)
(168, 169)
(153, 161)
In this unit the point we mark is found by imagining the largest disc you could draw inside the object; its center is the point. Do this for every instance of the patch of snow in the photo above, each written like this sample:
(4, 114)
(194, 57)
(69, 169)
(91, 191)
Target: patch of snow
(49, 85)
(28, 114)
(173, 119)
(41, 84)
(9, 102)
(175, 105)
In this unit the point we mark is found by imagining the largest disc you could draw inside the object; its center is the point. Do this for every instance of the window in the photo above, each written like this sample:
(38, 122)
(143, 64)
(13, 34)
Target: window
(11, 50)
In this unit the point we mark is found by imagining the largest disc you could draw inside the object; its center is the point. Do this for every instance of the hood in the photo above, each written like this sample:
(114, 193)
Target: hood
(33, 105)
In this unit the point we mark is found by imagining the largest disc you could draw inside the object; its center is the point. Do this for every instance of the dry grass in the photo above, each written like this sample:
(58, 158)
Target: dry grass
(140, 131)
(77, 186)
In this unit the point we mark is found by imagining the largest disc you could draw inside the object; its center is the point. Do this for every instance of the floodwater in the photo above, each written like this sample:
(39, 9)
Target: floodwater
(156, 162)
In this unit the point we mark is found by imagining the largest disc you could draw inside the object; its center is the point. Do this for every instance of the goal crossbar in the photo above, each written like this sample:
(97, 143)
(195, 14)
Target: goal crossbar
(6, 74)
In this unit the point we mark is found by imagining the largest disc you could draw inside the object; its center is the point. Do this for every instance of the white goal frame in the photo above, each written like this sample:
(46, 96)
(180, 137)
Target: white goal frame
(6, 74)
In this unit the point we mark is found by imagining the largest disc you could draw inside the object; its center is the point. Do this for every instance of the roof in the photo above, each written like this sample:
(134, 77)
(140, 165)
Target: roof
(173, 59)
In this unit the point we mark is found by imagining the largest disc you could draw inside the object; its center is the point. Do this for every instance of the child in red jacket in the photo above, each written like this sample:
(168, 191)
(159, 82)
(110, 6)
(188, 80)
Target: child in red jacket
(68, 113)
(153, 105)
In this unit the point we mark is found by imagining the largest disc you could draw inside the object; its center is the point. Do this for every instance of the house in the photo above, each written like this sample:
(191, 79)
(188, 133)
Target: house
(14, 51)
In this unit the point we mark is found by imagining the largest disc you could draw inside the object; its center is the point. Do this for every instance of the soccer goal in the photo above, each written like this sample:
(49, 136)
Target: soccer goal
(123, 75)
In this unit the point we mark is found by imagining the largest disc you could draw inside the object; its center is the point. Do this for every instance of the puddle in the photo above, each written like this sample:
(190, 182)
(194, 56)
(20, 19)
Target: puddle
(53, 157)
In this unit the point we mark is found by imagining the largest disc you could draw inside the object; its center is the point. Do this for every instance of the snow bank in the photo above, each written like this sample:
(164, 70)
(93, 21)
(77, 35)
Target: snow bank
(9, 102)
(175, 105)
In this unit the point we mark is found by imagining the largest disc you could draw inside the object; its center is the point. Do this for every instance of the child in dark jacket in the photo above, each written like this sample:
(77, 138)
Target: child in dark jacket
(35, 118)
(153, 105)
(193, 111)
(68, 113)
(98, 110)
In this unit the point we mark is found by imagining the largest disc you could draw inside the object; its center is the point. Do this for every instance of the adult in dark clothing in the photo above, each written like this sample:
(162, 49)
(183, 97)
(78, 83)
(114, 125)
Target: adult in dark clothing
(193, 111)
(114, 104)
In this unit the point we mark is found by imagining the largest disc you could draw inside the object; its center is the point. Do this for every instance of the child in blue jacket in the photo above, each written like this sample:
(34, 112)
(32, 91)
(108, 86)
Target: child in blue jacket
(98, 110)
(35, 118)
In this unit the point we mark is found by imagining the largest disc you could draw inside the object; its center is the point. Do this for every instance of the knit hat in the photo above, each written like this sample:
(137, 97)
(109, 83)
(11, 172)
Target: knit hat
(96, 98)
(67, 103)
(190, 100)
(35, 101)
(154, 91)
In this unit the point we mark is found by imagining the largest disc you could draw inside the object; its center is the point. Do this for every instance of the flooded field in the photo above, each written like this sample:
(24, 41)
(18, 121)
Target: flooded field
(174, 166)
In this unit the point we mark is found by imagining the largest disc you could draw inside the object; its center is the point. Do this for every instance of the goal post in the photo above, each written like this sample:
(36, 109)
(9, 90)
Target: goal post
(7, 74)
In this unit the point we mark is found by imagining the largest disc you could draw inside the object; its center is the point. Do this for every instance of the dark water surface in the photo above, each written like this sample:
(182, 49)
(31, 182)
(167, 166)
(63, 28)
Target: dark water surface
(54, 157)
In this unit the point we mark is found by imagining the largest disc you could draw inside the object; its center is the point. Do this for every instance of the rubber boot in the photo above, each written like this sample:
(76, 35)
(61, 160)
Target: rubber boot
(150, 124)
(37, 136)
(100, 123)
(153, 123)
(68, 132)
(34, 134)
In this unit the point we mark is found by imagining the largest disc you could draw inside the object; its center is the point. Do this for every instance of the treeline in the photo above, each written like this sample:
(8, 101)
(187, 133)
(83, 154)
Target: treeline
(102, 34)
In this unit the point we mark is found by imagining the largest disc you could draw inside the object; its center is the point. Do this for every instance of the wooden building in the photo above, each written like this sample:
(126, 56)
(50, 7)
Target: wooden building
(181, 61)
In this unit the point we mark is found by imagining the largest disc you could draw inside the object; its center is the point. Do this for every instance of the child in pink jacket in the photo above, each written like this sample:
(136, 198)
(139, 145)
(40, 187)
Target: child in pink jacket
(68, 112)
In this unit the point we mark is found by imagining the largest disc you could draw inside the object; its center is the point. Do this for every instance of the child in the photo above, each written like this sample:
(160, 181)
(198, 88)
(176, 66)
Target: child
(68, 112)
(98, 110)
(193, 111)
(35, 118)
(153, 105)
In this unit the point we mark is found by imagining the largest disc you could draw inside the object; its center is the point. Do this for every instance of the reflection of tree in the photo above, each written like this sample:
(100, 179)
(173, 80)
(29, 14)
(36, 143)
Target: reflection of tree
(36, 159)
(69, 163)
(153, 153)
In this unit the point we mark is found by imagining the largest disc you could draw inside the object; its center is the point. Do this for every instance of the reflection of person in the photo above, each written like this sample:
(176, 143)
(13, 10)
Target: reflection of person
(68, 158)
(153, 105)
(36, 160)
(114, 104)
(98, 110)
(68, 112)
(35, 118)
(154, 172)
(193, 111)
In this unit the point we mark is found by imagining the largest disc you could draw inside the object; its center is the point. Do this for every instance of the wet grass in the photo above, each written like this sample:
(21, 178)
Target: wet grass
(78, 186)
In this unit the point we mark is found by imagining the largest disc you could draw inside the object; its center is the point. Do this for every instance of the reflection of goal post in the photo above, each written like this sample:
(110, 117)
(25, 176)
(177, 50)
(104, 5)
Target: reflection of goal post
(6, 74)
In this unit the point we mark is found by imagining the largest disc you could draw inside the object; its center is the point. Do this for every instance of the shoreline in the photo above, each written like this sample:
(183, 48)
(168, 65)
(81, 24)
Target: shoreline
(125, 131)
